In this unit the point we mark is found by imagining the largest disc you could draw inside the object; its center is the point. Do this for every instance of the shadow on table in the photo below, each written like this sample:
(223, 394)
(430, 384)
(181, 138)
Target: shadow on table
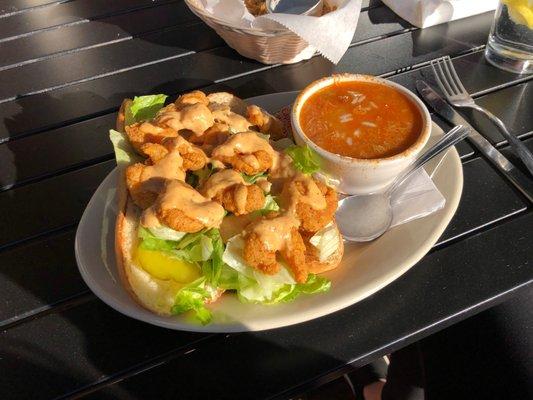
(50, 110)
(210, 370)
(214, 371)
(384, 15)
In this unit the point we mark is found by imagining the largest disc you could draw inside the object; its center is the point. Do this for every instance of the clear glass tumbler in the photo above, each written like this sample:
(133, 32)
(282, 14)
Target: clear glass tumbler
(510, 44)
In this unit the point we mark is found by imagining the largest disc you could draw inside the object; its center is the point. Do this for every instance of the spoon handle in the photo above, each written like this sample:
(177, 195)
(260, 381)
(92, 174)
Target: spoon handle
(453, 137)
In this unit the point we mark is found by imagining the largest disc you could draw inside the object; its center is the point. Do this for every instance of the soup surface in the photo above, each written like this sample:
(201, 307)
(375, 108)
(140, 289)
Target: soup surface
(361, 120)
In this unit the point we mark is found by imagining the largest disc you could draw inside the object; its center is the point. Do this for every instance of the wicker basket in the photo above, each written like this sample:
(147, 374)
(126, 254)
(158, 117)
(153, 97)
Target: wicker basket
(280, 46)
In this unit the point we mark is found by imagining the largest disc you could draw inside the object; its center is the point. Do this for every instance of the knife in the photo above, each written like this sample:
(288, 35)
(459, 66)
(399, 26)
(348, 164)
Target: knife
(442, 108)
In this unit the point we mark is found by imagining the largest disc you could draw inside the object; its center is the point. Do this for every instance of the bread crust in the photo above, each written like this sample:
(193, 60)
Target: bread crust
(156, 295)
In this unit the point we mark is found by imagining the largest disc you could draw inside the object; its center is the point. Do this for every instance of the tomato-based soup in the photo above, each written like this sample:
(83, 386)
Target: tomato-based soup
(361, 120)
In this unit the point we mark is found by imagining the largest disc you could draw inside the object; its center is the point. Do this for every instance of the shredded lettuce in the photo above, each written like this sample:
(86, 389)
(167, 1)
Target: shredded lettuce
(203, 248)
(326, 241)
(212, 268)
(124, 152)
(192, 298)
(304, 158)
(253, 286)
(198, 177)
(270, 205)
(150, 242)
(253, 178)
(144, 107)
(264, 285)
(166, 233)
(314, 284)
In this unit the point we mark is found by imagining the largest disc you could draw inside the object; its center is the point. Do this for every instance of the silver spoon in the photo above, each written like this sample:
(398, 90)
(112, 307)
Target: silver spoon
(296, 7)
(362, 218)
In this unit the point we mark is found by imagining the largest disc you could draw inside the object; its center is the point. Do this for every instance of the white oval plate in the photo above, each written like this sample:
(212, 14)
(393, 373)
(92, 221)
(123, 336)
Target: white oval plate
(365, 268)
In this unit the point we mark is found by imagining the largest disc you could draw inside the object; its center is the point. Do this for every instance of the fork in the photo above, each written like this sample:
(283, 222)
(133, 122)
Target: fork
(453, 89)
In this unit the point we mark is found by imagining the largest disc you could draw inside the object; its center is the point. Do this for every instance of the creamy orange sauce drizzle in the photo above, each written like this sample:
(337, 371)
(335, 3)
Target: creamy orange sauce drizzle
(235, 224)
(223, 114)
(282, 166)
(275, 233)
(220, 181)
(179, 142)
(312, 195)
(151, 128)
(243, 143)
(196, 118)
(179, 195)
(168, 168)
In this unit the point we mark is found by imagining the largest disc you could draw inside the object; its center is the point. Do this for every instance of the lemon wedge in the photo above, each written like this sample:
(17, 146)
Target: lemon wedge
(163, 266)
(520, 11)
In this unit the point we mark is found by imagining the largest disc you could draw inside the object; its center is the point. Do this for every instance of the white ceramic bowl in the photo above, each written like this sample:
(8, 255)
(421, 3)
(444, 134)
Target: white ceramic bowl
(353, 175)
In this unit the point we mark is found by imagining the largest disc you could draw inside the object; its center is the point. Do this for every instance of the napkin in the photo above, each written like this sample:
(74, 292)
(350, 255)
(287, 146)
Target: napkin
(330, 34)
(424, 13)
(415, 198)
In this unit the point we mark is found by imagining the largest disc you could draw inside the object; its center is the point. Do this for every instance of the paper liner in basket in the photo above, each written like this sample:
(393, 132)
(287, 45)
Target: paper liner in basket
(330, 34)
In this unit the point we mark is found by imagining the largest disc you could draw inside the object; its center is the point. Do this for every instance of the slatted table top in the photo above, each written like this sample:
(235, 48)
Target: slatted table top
(65, 66)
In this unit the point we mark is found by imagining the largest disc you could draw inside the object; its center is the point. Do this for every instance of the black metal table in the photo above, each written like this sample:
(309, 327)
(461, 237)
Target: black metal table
(65, 66)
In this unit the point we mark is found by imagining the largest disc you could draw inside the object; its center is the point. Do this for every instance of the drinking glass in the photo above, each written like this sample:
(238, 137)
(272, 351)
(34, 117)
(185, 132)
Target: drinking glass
(510, 44)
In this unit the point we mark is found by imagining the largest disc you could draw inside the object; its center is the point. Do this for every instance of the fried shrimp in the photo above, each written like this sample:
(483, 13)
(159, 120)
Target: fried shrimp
(228, 188)
(154, 151)
(274, 233)
(241, 199)
(246, 152)
(145, 181)
(313, 202)
(142, 195)
(193, 157)
(212, 137)
(258, 256)
(313, 220)
(193, 117)
(235, 122)
(179, 221)
(294, 255)
(266, 123)
(194, 97)
(146, 132)
(250, 164)
(180, 207)
(256, 7)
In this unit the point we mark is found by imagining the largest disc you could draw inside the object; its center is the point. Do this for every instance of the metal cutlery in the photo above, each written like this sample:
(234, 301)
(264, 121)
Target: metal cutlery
(442, 108)
(454, 91)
